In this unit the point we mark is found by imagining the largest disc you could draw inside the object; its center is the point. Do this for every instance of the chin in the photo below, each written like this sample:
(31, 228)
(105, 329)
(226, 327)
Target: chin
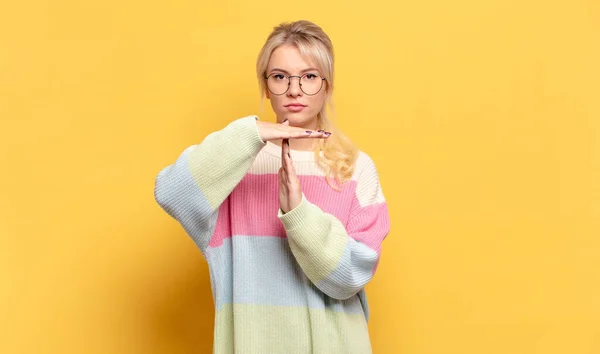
(298, 119)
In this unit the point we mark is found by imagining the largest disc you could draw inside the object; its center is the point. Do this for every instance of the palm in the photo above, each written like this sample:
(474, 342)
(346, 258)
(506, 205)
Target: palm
(290, 191)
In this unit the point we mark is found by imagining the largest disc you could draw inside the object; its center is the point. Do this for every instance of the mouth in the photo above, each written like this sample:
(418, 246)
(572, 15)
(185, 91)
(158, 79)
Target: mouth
(295, 107)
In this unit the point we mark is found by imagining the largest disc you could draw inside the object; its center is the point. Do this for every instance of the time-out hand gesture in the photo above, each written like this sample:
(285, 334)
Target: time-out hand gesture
(290, 191)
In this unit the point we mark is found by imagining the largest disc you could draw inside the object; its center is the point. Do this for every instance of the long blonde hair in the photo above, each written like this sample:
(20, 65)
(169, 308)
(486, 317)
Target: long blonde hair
(339, 153)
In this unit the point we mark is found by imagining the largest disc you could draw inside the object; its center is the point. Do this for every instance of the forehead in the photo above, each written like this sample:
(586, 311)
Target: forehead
(288, 57)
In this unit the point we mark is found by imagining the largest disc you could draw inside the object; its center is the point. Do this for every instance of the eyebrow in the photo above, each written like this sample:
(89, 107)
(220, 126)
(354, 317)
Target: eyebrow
(286, 72)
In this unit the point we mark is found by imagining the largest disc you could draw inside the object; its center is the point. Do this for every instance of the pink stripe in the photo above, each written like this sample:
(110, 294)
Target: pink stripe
(223, 227)
(255, 201)
(370, 226)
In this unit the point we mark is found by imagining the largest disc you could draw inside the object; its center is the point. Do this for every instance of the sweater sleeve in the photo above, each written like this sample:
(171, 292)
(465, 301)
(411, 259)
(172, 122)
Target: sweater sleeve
(340, 260)
(198, 182)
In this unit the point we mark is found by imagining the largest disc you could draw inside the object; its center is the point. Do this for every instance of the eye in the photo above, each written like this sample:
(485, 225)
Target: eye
(278, 77)
(311, 76)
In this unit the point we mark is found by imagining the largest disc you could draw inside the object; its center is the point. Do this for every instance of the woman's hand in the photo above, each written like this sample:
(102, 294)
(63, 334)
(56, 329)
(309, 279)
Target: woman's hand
(290, 191)
(274, 131)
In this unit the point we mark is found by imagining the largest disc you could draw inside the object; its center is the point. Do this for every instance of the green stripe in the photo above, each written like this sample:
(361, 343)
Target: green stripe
(317, 239)
(285, 330)
(220, 162)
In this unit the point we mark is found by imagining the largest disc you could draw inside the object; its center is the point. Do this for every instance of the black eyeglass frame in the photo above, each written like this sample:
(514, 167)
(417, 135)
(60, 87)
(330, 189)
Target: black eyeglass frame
(323, 79)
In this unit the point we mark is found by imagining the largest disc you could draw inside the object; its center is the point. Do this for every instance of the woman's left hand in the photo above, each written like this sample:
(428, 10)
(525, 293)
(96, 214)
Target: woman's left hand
(290, 191)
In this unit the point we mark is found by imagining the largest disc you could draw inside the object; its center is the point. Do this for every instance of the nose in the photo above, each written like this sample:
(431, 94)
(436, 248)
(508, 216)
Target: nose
(294, 90)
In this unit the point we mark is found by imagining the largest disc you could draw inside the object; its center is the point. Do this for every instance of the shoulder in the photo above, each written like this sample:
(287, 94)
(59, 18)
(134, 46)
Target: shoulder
(364, 167)
(366, 177)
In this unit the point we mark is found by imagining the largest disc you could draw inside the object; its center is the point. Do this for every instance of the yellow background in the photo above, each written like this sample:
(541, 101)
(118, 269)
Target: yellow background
(483, 118)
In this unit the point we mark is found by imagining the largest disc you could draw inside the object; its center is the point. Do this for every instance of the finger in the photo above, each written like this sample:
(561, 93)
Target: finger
(291, 176)
(324, 134)
(309, 134)
(288, 164)
(287, 147)
(286, 132)
(283, 178)
(285, 153)
(283, 183)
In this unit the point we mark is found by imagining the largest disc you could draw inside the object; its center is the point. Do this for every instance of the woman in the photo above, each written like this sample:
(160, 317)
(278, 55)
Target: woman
(290, 215)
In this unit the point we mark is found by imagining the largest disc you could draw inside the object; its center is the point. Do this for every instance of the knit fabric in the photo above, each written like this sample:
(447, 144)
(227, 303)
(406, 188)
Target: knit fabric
(282, 283)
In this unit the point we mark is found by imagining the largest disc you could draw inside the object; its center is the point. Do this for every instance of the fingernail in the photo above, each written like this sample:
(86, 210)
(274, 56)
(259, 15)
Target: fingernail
(287, 141)
(285, 120)
(289, 155)
(308, 132)
(327, 133)
(320, 131)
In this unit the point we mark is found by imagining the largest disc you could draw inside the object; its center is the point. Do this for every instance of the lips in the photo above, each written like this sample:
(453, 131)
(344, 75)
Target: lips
(295, 107)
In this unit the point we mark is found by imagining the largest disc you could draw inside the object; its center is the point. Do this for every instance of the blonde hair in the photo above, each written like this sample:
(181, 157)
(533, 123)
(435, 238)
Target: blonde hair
(339, 153)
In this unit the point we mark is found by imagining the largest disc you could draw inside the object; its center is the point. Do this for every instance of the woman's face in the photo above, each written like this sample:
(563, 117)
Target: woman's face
(299, 108)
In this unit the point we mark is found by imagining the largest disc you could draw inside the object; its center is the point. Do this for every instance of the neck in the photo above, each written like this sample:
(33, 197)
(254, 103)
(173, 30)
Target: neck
(303, 144)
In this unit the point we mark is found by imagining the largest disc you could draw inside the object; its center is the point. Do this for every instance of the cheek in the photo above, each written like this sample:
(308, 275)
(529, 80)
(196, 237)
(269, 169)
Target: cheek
(275, 102)
(277, 105)
(318, 101)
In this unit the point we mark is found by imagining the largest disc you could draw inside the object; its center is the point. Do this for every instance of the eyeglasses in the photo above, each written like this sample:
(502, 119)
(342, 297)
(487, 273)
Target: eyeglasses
(310, 84)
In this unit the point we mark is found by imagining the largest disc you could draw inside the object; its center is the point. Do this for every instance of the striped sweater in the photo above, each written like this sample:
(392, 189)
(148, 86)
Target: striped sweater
(282, 283)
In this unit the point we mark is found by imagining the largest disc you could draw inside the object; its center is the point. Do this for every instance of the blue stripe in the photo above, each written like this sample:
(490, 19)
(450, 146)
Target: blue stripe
(353, 271)
(178, 194)
(262, 270)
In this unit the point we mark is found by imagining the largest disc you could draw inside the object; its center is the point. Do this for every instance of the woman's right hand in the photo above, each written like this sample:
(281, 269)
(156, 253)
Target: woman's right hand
(275, 131)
